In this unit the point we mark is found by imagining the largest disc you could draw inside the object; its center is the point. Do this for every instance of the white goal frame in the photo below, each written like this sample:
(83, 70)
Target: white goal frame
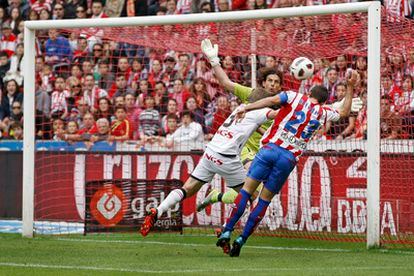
(374, 39)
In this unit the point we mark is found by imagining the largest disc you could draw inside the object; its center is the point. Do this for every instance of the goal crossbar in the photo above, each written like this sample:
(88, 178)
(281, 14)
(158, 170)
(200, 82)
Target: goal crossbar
(374, 38)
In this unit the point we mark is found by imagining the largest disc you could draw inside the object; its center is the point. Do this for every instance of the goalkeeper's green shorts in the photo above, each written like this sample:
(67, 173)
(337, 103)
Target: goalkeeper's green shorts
(247, 155)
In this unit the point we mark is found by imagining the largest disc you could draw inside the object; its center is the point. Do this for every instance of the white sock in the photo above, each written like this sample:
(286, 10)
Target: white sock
(173, 198)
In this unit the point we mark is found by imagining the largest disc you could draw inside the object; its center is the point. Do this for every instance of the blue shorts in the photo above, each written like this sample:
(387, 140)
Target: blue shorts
(272, 166)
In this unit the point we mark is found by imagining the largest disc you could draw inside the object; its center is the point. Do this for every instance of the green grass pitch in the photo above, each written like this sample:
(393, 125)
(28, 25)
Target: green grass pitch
(123, 254)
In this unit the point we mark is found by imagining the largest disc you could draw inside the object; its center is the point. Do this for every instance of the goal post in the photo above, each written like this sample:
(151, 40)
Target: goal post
(374, 45)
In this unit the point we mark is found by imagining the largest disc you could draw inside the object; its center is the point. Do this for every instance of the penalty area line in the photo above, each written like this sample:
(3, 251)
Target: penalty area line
(209, 245)
(131, 270)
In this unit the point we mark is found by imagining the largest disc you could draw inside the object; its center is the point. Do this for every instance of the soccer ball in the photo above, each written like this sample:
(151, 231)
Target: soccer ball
(301, 68)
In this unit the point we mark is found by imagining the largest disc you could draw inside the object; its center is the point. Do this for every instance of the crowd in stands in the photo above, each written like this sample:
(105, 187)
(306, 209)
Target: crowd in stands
(91, 89)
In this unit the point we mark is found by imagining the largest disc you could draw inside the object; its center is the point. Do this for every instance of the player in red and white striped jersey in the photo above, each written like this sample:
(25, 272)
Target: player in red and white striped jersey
(297, 121)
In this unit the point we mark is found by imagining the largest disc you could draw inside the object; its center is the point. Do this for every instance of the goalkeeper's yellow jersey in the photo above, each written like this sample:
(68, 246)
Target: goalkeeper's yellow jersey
(252, 145)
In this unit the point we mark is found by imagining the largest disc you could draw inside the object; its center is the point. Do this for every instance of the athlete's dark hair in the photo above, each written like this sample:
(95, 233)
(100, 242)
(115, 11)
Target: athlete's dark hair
(320, 93)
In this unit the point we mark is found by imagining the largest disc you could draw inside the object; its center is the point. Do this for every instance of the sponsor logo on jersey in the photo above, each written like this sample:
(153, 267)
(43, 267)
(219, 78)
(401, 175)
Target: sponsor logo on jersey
(107, 205)
(294, 141)
(213, 159)
(226, 133)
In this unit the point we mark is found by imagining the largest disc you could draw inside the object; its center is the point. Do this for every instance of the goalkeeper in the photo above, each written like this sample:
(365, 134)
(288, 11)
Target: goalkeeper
(270, 81)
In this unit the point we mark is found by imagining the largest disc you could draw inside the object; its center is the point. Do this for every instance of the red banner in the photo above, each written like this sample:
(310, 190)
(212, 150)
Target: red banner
(324, 193)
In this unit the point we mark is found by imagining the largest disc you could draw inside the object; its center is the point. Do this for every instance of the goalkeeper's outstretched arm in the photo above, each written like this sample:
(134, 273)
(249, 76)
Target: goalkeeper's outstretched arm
(211, 52)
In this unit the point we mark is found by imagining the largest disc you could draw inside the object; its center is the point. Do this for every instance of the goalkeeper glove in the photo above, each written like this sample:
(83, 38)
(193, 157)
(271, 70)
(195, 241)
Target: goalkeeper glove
(356, 104)
(210, 51)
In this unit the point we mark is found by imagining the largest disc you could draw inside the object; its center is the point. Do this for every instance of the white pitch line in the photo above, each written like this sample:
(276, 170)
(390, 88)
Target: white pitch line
(213, 270)
(210, 245)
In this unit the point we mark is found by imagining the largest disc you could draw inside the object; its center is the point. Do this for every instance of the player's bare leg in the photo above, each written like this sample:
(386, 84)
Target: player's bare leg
(190, 187)
(240, 205)
(227, 197)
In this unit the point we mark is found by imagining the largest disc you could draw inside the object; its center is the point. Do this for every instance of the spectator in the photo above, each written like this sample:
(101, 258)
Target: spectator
(133, 112)
(81, 52)
(390, 123)
(184, 71)
(71, 133)
(169, 74)
(361, 120)
(44, 14)
(3, 16)
(119, 101)
(171, 109)
(23, 7)
(223, 5)
(8, 40)
(71, 8)
(198, 90)
(15, 19)
(104, 109)
(75, 92)
(330, 82)
(344, 127)
(103, 131)
(87, 67)
(180, 94)
(83, 108)
(223, 111)
(171, 6)
(161, 97)
(16, 131)
(81, 12)
(76, 72)
(43, 101)
(59, 106)
(58, 128)
(138, 72)
(17, 59)
(341, 67)
(123, 67)
(149, 121)
(171, 126)
(16, 114)
(198, 116)
(97, 53)
(206, 74)
(58, 12)
(46, 78)
(104, 76)
(97, 9)
(121, 88)
(121, 129)
(57, 48)
(91, 92)
(10, 95)
(155, 73)
(33, 15)
(88, 125)
(189, 136)
(144, 90)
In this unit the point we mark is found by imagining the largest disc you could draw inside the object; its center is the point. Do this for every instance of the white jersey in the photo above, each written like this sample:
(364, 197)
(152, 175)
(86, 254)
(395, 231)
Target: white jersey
(297, 121)
(232, 136)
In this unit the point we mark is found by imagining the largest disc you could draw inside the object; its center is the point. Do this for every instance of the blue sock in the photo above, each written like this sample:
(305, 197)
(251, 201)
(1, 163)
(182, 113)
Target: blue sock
(241, 201)
(255, 217)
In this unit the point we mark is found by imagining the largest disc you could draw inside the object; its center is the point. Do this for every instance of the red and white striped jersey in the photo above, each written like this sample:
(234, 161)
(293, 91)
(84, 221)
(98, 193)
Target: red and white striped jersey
(297, 121)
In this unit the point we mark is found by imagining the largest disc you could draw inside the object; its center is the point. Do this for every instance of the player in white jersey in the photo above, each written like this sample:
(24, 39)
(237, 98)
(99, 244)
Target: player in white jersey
(297, 121)
(222, 156)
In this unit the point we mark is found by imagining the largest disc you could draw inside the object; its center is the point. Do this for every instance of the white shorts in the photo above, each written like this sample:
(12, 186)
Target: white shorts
(211, 163)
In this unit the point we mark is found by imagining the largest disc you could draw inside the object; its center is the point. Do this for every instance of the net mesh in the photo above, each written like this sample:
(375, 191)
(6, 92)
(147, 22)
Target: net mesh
(87, 74)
